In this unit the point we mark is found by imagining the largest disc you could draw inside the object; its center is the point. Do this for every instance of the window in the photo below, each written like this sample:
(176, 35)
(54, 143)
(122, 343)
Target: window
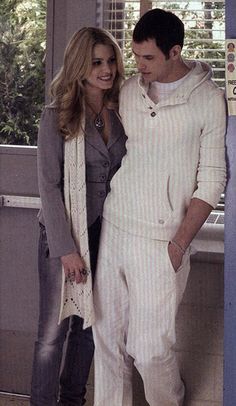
(204, 29)
(22, 52)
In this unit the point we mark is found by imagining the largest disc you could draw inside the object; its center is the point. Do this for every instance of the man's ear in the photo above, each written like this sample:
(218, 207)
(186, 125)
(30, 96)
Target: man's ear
(175, 52)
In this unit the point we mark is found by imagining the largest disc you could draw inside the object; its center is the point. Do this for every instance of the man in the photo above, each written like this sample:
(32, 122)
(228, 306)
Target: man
(169, 181)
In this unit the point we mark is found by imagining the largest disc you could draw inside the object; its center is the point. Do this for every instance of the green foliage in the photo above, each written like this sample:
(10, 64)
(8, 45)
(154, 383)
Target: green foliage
(22, 73)
(130, 18)
(22, 54)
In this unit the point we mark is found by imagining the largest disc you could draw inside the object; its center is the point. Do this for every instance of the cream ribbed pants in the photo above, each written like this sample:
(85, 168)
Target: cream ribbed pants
(136, 296)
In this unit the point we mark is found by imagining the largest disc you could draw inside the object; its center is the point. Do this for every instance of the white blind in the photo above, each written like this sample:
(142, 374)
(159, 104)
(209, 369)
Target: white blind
(204, 28)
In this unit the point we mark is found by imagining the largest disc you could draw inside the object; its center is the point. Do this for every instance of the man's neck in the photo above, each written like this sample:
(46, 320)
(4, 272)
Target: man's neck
(179, 70)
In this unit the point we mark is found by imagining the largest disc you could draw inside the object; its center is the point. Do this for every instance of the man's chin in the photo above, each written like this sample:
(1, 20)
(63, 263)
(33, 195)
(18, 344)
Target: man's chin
(146, 79)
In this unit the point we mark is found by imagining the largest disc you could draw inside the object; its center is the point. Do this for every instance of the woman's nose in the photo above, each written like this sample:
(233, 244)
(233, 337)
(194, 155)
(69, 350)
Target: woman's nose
(107, 67)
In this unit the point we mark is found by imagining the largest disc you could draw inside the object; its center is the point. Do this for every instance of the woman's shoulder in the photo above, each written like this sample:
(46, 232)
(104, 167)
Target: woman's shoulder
(49, 120)
(49, 114)
(50, 108)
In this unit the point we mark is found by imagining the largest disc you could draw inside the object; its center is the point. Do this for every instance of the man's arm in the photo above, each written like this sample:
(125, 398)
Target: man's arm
(211, 177)
(195, 217)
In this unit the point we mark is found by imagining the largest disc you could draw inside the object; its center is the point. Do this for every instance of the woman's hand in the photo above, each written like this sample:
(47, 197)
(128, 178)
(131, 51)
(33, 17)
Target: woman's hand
(74, 267)
(175, 255)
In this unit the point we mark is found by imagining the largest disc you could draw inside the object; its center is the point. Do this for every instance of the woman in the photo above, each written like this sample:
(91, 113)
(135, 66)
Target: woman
(80, 147)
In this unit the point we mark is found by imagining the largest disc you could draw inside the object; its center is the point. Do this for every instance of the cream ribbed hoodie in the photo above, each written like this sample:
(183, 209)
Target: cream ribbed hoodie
(175, 151)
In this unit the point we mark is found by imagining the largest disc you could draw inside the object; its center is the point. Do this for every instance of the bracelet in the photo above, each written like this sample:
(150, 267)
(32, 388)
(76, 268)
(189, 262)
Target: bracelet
(177, 246)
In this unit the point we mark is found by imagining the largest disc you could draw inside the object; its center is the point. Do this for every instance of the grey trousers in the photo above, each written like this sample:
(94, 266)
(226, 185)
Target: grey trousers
(50, 379)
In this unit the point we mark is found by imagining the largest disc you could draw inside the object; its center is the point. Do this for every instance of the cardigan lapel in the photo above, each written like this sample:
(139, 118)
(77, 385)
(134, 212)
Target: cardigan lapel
(93, 137)
(116, 128)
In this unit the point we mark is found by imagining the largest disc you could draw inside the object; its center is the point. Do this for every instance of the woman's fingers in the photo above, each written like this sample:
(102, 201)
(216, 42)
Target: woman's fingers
(74, 268)
(81, 276)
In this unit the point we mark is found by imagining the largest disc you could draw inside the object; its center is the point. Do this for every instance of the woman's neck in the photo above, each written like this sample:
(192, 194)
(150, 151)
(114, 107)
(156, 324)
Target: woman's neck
(94, 99)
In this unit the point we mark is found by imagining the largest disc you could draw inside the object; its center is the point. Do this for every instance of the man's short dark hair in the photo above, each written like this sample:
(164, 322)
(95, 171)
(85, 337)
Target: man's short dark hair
(163, 26)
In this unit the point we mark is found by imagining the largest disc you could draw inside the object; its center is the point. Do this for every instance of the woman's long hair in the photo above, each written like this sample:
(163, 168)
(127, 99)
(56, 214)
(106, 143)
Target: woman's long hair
(67, 88)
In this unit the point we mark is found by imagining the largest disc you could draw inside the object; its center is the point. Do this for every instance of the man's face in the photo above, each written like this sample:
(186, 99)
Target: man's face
(151, 62)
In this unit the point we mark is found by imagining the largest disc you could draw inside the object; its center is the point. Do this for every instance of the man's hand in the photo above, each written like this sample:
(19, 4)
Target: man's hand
(175, 255)
(74, 267)
(197, 213)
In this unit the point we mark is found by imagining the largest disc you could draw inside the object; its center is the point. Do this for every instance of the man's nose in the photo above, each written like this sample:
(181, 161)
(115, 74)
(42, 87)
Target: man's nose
(140, 64)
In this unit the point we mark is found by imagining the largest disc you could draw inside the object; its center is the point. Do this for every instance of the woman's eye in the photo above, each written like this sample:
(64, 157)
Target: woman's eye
(112, 60)
(96, 63)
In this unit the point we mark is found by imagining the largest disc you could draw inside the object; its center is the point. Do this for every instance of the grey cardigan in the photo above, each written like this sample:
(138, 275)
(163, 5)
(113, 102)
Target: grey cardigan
(102, 161)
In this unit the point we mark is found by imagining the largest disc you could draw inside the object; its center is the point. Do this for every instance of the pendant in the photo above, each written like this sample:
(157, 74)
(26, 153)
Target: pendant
(99, 123)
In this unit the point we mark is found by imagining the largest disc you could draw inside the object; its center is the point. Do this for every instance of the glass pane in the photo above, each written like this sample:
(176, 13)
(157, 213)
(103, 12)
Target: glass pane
(204, 24)
(22, 71)
(204, 31)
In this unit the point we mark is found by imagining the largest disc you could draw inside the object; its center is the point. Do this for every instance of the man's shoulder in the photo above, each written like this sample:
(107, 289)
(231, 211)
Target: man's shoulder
(214, 92)
(210, 89)
(212, 86)
(209, 97)
(130, 83)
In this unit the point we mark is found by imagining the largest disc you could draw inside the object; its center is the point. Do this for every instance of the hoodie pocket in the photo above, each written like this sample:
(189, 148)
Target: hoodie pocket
(184, 261)
(165, 206)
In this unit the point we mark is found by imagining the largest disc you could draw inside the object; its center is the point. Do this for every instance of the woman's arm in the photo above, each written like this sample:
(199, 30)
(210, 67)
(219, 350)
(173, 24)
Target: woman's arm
(50, 180)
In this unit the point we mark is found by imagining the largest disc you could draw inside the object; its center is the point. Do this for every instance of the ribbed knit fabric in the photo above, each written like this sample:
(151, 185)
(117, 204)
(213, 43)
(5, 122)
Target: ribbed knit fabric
(76, 298)
(175, 151)
(136, 296)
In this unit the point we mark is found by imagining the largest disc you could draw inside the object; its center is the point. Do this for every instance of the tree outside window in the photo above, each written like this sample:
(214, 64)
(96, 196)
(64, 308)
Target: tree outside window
(22, 71)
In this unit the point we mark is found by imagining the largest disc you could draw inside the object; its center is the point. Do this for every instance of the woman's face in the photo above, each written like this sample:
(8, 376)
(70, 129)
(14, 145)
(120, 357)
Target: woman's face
(104, 68)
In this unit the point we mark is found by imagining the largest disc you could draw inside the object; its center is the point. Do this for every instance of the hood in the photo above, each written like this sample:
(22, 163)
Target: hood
(199, 73)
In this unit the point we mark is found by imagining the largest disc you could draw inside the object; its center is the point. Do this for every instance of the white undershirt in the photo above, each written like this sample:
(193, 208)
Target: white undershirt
(159, 91)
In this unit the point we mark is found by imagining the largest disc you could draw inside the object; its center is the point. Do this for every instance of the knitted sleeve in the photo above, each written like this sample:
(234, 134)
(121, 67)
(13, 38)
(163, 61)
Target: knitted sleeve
(211, 175)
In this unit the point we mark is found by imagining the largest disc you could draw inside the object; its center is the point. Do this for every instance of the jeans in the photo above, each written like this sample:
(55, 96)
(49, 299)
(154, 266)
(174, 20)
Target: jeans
(50, 379)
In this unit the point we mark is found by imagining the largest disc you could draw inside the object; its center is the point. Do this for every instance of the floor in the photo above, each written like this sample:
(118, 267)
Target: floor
(199, 346)
(14, 401)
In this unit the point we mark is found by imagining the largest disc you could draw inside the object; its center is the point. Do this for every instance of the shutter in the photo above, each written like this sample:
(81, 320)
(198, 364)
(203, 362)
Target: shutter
(204, 29)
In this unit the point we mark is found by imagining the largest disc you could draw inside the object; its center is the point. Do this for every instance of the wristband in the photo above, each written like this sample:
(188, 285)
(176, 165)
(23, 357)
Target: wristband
(178, 246)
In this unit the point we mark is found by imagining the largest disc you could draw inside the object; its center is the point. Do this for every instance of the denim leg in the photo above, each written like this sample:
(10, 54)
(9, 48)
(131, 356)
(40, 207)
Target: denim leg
(78, 359)
(51, 336)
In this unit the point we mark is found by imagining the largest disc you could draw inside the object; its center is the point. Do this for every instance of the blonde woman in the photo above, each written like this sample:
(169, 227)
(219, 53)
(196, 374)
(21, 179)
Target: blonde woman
(80, 147)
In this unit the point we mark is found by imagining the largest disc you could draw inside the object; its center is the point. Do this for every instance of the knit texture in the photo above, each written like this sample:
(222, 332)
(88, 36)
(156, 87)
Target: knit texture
(77, 299)
(175, 152)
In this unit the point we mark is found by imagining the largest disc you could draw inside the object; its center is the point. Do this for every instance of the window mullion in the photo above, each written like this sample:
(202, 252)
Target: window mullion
(145, 5)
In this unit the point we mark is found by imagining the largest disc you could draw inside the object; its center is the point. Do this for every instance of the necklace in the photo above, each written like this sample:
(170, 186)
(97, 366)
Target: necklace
(98, 121)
